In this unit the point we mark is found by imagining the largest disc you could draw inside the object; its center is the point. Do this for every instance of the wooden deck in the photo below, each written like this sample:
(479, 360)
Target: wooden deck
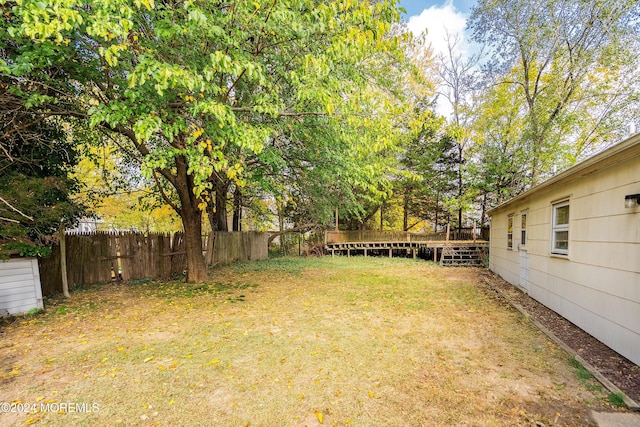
(452, 252)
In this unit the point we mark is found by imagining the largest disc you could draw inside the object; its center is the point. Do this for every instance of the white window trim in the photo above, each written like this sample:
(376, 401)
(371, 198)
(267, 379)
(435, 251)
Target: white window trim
(561, 227)
(523, 243)
(510, 217)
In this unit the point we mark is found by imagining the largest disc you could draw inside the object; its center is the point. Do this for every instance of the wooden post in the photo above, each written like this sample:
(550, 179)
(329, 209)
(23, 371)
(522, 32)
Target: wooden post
(390, 253)
(337, 229)
(435, 254)
(474, 232)
(365, 252)
(448, 229)
(63, 261)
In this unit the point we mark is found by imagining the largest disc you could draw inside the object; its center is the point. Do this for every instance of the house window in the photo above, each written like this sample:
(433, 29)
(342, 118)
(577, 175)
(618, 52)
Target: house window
(560, 228)
(510, 231)
(523, 230)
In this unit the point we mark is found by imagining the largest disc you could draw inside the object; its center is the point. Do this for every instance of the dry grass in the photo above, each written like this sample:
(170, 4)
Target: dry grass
(292, 342)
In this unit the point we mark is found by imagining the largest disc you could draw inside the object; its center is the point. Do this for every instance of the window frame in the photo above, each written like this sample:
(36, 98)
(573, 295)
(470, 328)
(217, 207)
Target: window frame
(523, 229)
(559, 228)
(510, 231)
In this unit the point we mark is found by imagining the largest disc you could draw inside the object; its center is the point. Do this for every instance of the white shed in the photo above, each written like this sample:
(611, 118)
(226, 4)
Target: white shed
(573, 244)
(20, 289)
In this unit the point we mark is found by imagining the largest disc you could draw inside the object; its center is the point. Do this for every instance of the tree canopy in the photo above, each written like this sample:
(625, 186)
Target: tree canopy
(193, 90)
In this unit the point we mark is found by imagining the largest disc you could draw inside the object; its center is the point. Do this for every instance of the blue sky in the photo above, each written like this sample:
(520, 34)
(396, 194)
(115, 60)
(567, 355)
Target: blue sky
(415, 7)
(441, 19)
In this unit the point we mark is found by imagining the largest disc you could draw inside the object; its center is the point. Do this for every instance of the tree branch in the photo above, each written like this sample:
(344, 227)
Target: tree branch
(15, 209)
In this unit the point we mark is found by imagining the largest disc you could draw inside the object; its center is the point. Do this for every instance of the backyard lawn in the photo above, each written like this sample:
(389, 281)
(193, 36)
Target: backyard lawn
(291, 342)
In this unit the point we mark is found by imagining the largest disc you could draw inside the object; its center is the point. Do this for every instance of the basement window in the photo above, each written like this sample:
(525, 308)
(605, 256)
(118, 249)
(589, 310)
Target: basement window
(560, 228)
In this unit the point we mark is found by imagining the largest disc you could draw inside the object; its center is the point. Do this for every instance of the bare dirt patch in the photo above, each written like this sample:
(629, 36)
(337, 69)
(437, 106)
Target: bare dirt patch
(293, 342)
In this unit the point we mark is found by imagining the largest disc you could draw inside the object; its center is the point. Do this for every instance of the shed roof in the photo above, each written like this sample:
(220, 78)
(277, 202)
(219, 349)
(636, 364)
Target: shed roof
(624, 150)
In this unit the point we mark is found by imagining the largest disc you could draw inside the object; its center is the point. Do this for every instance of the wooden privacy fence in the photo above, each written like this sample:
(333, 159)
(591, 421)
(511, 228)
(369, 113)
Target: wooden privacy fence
(225, 248)
(100, 257)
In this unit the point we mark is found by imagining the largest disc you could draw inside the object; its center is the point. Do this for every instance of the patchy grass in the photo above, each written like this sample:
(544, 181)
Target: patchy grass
(291, 342)
(617, 399)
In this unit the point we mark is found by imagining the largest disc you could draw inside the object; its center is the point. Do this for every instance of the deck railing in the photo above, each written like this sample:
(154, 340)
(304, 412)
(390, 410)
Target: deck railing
(399, 236)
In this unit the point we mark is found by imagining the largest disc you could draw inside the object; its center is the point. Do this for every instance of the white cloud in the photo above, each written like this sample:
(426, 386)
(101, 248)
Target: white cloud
(438, 20)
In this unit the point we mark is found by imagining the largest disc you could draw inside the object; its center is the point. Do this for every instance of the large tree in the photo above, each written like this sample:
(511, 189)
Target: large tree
(571, 68)
(193, 88)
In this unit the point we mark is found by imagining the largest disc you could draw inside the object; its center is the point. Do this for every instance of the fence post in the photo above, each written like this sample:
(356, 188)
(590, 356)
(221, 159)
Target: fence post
(63, 261)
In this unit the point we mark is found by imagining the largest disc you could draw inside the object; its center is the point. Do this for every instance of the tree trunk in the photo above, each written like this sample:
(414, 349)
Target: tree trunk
(222, 188)
(237, 209)
(435, 222)
(460, 191)
(405, 212)
(196, 268)
(191, 216)
(484, 209)
(211, 214)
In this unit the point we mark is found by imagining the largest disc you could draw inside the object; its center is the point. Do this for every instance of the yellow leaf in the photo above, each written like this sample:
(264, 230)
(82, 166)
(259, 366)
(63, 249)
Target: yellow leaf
(371, 395)
(256, 4)
(319, 416)
(32, 420)
(161, 368)
(147, 359)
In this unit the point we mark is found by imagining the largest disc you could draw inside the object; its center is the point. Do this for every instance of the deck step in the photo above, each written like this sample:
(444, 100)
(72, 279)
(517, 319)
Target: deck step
(463, 256)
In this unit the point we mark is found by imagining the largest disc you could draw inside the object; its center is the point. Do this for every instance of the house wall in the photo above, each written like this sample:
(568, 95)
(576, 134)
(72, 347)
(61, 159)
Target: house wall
(19, 286)
(597, 285)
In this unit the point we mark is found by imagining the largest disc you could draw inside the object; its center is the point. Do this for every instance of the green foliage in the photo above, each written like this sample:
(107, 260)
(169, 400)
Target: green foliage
(35, 190)
(23, 249)
(34, 312)
(200, 90)
(563, 74)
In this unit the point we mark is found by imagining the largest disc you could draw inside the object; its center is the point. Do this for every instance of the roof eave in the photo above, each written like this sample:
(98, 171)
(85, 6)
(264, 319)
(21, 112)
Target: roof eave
(605, 159)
